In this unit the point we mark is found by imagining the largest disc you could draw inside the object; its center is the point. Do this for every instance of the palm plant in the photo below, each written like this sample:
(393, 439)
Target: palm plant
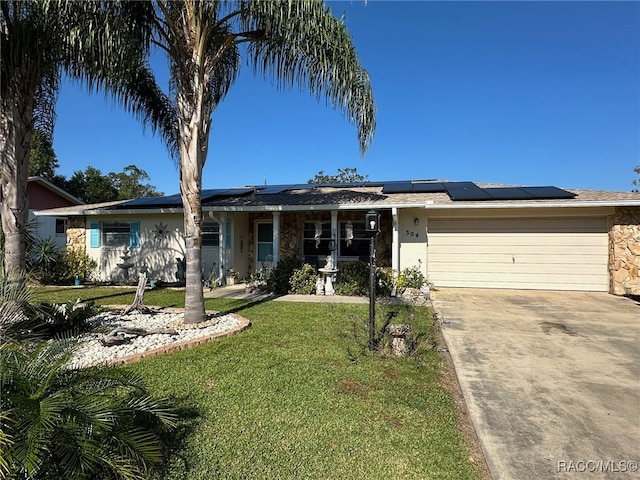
(289, 42)
(76, 424)
(61, 422)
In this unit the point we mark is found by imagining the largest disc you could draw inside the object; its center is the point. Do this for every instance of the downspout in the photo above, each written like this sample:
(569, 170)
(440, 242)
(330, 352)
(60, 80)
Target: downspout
(276, 238)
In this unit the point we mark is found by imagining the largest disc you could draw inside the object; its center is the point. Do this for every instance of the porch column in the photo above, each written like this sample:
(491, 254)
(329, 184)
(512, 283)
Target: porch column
(395, 243)
(222, 257)
(276, 238)
(334, 235)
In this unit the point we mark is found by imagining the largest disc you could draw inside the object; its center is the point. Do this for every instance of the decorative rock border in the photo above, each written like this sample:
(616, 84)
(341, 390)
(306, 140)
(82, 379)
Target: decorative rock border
(173, 347)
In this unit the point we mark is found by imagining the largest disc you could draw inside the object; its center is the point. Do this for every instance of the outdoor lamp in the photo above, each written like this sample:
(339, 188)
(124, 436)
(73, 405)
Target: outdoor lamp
(372, 221)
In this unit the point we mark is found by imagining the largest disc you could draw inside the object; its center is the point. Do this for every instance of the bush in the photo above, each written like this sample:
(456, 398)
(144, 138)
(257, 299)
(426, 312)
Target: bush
(76, 264)
(279, 280)
(411, 278)
(303, 280)
(353, 280)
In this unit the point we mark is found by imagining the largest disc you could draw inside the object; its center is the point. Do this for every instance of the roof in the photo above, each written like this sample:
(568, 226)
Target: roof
(365, 195)
(55, 189)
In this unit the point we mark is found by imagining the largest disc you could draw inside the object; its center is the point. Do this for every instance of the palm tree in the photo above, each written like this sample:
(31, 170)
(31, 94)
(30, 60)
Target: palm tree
(289, 42)
(99, 43)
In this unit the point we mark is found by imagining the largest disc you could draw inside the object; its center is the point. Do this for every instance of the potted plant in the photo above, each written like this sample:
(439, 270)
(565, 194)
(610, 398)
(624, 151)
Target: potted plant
(231, 277)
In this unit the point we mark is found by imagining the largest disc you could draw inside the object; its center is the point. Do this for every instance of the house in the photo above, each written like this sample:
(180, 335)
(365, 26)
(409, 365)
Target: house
(41, 195)
(459, 234)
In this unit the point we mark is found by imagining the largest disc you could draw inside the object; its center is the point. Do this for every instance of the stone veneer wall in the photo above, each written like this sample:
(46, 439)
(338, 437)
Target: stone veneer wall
(76, 232)
(624, 251)
(291, 227)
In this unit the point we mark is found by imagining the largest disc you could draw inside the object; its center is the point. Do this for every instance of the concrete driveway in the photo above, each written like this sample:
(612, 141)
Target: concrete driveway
(551, 379)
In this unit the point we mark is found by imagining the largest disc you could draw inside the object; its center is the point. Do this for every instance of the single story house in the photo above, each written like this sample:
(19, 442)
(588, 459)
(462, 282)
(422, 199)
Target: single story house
(459, 234)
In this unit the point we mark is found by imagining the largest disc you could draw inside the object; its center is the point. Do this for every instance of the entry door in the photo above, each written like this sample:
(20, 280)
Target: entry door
(264, 246)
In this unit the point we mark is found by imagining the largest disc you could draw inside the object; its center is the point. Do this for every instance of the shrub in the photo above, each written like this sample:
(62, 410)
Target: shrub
(353, 280)
(279, 280)
(76, 264)
(411, 278)
(303, 280)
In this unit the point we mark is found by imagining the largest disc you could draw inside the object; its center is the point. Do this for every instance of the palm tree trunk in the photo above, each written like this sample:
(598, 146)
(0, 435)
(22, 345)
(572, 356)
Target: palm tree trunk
(193, 153)
(15, 139)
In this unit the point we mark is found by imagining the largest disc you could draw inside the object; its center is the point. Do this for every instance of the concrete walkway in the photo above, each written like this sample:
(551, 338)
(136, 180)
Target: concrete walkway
(551, 380)
(238, 292)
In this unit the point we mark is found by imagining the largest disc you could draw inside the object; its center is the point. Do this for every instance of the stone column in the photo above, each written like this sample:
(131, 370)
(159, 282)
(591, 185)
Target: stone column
(624, 251)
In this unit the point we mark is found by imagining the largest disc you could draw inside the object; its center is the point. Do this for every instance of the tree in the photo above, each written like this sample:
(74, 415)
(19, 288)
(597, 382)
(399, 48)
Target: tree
(98, 43)
(289, 42)
(636, 182)
(344, 175)
(42, 159)
(91, 186)
(129, 183)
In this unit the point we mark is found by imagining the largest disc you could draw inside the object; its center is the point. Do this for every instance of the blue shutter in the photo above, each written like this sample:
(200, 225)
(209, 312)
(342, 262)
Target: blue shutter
(227, 234)
(134, 235)
(95, 235)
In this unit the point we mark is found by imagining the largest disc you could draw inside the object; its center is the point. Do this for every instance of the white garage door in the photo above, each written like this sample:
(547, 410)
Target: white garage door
(549, 254)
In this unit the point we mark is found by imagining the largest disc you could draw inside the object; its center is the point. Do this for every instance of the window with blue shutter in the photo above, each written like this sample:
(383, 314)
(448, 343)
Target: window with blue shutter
(227, 234)
(94, 235)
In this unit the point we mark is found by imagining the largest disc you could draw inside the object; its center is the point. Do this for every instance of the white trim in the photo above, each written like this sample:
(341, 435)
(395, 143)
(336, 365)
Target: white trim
(395, 242)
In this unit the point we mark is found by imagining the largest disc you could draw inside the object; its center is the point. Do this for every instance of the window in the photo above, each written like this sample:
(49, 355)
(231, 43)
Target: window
(316, 238)
(115, 234)
(210, 234)
(265, 242)
(61, 226)
(358, 246)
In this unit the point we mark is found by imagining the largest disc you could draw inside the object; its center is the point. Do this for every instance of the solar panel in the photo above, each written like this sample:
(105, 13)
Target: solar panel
(548, 192)
(466, 191)
(508, 193)
(272, 189)
(169, 201)
(397, 187)
(428, 187)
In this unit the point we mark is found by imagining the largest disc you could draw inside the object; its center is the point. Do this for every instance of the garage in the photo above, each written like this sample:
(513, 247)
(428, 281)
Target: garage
(558, 253)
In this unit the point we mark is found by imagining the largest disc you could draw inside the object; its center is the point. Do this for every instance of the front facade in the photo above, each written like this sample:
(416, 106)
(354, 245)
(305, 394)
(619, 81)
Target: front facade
(458, 234)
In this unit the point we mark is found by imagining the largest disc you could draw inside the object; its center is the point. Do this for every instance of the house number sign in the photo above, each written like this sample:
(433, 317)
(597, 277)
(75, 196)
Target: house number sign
(411, 233)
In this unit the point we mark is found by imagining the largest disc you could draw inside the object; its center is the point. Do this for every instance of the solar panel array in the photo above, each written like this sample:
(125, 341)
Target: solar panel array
(469, 191)
(457, 191)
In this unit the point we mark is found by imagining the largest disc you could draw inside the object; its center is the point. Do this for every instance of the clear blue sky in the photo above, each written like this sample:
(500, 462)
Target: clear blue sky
(528, 93)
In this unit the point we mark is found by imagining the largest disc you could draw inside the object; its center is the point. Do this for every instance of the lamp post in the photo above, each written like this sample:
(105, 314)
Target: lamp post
(373, 228)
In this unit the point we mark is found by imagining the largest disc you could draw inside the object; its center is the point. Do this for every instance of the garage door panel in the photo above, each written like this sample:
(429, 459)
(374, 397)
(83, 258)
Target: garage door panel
(507, 260)
(562, 254)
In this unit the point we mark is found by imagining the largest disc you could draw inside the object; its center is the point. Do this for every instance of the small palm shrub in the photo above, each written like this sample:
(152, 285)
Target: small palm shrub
(61, 422)
(279, 280)
(69, 318)
(303, 280)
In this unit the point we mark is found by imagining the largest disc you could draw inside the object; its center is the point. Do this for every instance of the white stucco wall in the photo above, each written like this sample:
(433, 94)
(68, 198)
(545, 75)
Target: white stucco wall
(412, 237)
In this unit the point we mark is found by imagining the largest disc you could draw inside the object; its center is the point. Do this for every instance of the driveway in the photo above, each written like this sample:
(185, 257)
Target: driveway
(551, 379)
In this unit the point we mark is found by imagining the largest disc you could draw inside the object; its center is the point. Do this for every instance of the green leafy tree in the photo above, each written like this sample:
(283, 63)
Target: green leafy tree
(130, 183)
(344, 175)
(91, 186)
(42, 160)
(292, 43)
(636, 182)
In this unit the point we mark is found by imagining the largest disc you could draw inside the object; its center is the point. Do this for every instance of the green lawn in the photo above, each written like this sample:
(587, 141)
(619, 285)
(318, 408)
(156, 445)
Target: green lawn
(298, 396)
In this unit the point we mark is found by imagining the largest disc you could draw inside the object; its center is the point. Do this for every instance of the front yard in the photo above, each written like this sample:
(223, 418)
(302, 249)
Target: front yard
(298, 395)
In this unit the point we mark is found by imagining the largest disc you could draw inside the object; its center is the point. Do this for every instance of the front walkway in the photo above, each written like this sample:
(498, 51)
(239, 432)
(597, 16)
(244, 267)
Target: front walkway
(238, 292)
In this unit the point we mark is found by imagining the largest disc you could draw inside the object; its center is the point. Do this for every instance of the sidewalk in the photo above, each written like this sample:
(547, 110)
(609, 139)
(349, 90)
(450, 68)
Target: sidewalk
(238, 292)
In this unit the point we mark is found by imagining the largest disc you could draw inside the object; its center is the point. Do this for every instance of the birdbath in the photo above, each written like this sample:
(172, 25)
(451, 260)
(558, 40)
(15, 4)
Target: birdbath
(327, 276)
(126, 263)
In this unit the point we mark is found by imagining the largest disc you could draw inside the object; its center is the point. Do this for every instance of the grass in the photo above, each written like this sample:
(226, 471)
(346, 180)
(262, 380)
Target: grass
(298, 395)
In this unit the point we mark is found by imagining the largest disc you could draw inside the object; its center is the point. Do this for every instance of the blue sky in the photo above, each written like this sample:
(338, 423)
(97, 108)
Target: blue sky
(527, 93)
